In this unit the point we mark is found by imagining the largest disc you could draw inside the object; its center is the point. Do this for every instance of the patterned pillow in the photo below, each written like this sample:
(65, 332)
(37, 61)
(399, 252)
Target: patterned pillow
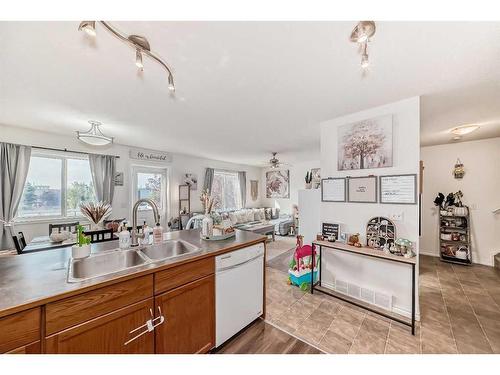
(267, 214)
(249, 215)
(262, 214)
(241, 216)
(233, 218)
(275, 213)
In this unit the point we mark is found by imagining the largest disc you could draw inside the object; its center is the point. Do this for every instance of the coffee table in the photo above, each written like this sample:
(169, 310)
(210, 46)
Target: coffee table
(259, 228)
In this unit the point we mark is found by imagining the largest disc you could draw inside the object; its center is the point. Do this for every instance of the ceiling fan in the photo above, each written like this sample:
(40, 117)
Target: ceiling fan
(275, 163)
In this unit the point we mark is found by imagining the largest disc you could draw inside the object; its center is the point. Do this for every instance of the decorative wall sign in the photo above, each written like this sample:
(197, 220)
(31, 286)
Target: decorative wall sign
(254, 189)
(398, 189)
(191, 179)
(380, 231)
(119, 179)
(333, 190)
(278, 184)
(330, 229)
(150, 155)
(362, 189)
(365, 144)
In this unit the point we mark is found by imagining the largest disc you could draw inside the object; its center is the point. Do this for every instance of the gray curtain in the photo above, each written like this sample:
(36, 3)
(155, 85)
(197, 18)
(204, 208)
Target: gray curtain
(103, 168)
(242, 177)
(209, 179)
(14, 165)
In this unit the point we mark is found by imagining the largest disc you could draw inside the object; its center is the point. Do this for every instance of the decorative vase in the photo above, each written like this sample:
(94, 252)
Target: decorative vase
(308, 185)
(78, 252)
(207, 226)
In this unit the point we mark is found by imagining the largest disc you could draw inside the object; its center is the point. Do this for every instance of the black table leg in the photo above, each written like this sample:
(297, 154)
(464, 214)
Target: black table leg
(320, 262)
(413, 299)
(312, 271)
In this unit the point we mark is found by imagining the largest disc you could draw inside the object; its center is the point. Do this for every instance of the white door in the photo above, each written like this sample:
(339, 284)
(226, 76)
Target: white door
(151, 183)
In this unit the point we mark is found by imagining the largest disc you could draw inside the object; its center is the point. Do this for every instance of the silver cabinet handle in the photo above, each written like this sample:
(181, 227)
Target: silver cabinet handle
(149, 326)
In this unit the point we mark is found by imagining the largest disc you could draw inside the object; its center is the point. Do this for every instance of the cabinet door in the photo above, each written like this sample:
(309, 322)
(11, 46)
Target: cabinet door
(189, 313)
(33, 348)
(107, 333)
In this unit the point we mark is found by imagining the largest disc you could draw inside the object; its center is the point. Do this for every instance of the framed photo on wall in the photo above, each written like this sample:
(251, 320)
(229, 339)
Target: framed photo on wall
(398, 189)
(362, 189)
(333, 190)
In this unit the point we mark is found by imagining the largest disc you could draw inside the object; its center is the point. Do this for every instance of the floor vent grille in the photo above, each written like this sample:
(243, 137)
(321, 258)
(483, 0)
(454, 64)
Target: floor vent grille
(370, 296)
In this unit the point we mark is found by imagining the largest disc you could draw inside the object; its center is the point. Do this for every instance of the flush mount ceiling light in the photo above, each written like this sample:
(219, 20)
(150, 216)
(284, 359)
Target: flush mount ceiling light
(94, 135)
(463, 130)
(139, 43)
(361, 35)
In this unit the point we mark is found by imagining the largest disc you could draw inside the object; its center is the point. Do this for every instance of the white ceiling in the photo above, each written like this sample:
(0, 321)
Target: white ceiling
(245, 89)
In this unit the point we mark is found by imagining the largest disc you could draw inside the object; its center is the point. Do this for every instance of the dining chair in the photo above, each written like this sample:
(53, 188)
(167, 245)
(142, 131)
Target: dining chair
(101, 235)
(19, 242)
(72, 227)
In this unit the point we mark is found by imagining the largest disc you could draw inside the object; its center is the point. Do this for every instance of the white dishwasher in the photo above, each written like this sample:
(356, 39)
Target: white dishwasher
(239, 288)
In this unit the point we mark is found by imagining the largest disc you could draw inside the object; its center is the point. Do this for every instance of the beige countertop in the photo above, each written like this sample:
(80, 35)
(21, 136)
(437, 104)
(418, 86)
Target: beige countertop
(34, 279)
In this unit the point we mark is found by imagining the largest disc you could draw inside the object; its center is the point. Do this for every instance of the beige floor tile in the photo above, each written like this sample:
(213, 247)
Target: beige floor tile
(334, 343)
(437, 343)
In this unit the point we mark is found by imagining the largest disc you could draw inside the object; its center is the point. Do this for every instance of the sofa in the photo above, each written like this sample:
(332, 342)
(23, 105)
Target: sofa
(282, 222)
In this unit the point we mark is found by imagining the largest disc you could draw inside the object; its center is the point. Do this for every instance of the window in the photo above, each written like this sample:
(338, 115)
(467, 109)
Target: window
(150, 186)
(55, 186)
(226, 190)
(150, 183)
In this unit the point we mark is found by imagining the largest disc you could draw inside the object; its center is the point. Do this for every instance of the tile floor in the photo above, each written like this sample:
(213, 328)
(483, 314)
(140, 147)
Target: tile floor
(459, 309)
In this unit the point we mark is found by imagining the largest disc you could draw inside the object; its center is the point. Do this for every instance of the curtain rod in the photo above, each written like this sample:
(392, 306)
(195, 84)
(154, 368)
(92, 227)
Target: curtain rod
(66, 150)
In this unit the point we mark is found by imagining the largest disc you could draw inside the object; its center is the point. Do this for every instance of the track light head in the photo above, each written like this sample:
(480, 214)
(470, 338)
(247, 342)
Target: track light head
(138, 59)
(363, 31)
(171, 85)
(88, 27)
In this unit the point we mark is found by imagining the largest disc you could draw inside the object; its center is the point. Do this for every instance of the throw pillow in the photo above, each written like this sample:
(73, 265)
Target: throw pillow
(233, 218)
(275, 213)
(249, 215)
(267, 214)
(242, 217)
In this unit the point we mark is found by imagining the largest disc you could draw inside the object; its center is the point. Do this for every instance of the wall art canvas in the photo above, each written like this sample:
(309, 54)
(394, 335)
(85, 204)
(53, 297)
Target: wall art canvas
(316, 175)
(191, 179)
(254, 189)
(365, 144)
(278, 184)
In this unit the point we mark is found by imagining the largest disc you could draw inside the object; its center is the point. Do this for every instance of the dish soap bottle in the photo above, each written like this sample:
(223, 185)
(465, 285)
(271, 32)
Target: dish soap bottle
(157, 234)
(124, 238)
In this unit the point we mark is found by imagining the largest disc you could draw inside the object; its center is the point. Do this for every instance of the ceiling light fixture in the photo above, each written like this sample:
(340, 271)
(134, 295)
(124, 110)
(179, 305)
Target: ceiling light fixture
(361, 34)
(94, 135)
(138, 42)
(463, 130)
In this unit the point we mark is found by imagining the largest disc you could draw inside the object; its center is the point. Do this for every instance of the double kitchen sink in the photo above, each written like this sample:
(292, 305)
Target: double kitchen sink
(114, 261)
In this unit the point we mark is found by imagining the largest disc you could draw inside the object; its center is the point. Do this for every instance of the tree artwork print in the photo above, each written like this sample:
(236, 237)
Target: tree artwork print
(365, 144)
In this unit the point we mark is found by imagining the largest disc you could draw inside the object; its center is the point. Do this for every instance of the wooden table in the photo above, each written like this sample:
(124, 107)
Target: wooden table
(43, 243)
(374, 253)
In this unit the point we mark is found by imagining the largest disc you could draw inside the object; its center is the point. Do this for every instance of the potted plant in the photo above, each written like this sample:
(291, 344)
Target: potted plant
(207, 224)
(308, 179)
(95, 213)
(82, 248)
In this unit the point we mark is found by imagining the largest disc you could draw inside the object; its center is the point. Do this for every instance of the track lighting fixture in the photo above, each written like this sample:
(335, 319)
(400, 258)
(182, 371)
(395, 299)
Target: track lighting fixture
(361, 34)
(138, 42)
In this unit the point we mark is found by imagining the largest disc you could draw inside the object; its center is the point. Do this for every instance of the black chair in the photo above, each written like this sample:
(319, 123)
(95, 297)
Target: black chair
(101, 235)
(19, 242)
(72, 227)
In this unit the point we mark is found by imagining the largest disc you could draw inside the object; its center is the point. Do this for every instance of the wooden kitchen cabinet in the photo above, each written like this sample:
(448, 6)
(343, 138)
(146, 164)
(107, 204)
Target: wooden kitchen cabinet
(33, 348)
(189, 312)
(107, 333)
(19, 332)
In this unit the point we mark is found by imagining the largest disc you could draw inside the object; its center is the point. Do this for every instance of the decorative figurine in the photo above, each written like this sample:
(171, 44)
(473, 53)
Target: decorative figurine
(353, 240)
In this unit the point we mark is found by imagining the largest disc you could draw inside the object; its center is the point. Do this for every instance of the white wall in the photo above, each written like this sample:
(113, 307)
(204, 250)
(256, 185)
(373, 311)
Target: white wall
(297, 174)
(122, 201)
(379, 275)
(481, 188)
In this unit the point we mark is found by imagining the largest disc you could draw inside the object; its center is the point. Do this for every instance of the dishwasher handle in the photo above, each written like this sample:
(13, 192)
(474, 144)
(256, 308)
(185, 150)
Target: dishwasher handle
(239, 264)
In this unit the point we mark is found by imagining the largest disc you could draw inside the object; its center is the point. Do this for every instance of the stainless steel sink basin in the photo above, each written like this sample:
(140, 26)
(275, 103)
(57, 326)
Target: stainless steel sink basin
(106, 263)
(169, 249)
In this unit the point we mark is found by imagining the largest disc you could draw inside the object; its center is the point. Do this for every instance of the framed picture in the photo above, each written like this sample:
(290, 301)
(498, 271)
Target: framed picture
(316, 177)
(333, 190)
(365, 144)
(398, 189)
(119, 179)
(278, 184)
(362, 189)
(191, 179)
(254, 189)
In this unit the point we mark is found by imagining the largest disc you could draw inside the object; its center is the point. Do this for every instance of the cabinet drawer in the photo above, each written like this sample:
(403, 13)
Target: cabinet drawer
(19, 329)
(78, 309)
(183, 274)
(33, 348)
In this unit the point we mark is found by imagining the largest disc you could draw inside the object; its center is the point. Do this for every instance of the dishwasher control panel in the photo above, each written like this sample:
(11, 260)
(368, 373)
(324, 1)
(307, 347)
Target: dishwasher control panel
(239, 256)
